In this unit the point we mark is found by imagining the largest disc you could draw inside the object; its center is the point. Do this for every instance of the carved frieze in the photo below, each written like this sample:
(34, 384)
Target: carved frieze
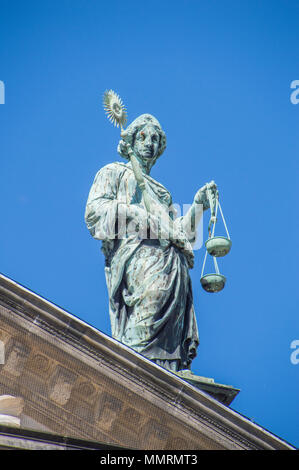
(17, 355)
(61, 384)
(108, 409)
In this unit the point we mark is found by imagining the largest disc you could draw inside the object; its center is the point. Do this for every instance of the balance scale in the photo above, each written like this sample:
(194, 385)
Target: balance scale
(216, 247)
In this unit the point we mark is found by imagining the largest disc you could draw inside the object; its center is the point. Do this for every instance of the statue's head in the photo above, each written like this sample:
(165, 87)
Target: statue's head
(146, 137)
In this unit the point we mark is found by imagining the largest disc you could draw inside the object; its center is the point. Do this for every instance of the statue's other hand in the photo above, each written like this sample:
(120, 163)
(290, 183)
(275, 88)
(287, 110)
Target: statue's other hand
(131, 211)
(201, 197)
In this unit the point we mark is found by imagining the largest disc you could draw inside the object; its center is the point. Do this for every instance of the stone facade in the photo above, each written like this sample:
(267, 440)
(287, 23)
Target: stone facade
(77, 382)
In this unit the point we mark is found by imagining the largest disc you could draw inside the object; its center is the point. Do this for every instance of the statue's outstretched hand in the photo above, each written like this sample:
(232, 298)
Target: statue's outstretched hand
(201, 197)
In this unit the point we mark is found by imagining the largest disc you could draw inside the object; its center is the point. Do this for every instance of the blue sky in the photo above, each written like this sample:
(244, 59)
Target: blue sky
(217, 76)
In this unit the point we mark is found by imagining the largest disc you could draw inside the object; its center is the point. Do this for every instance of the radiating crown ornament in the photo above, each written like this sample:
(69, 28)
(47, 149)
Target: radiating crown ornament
(114, 108)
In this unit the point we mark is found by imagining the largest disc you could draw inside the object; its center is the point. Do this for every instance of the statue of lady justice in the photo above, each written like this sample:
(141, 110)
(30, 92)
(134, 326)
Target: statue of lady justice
(148, 251)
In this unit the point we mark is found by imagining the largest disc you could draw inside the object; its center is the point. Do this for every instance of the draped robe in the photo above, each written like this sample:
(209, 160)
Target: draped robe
(150, 293)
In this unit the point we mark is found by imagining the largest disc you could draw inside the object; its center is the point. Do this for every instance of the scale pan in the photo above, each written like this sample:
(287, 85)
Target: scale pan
(218, 246)
(213, 282)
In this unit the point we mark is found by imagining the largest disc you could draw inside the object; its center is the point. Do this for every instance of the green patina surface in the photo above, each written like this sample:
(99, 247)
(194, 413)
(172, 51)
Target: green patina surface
(150, 293)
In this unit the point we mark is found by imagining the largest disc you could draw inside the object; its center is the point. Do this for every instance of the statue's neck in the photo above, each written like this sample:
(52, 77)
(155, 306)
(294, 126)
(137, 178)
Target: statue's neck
(145, 166)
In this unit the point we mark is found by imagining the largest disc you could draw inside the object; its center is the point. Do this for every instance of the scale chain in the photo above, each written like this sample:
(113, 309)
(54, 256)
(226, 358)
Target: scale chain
(223, 220)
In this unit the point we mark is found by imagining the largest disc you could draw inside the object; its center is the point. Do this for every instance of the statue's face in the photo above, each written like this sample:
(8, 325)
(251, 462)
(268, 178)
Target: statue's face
(146, 144)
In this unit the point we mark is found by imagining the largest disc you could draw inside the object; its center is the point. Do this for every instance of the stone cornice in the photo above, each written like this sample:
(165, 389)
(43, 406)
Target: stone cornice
(12, 439)
(166, 390)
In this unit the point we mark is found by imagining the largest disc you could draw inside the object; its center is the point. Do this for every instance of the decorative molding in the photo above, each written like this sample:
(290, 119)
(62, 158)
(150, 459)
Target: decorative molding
(10, 410)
